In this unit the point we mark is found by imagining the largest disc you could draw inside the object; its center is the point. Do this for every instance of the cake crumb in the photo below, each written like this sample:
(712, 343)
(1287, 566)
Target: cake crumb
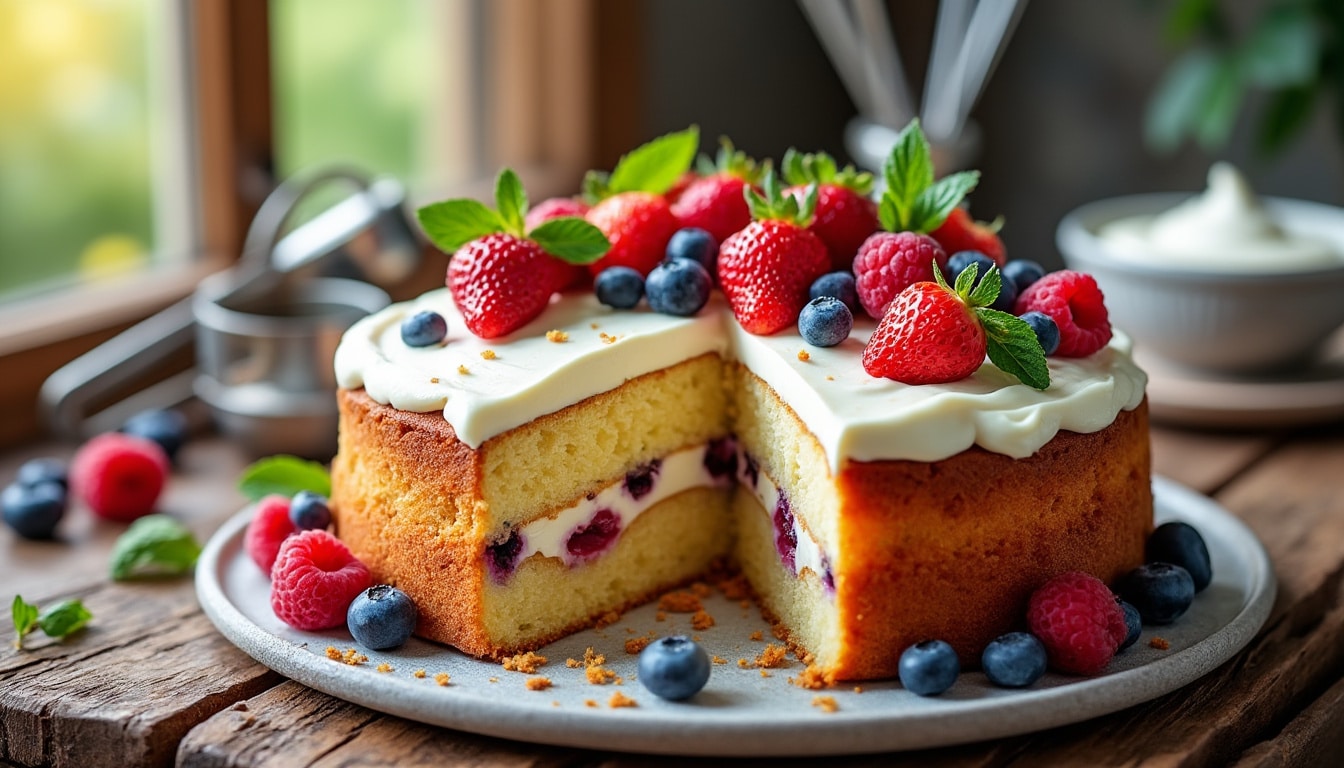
(333, 653)
(773, 657)
(526, 663)
(744, 604)
(573, 663)
(462, 369)
(660, 616)
(702, 590)
(804, 355)
(556, 336)
(592, 658)
(488, 354)
(599, 675)
(813, 678)
(735, 587)
(830, 378)
(718, 659)
(679, 602)
(349, 656)
(743, 663)
(607, 619)
(418, 674)
(435, 379)
(384, 667)
(858, 689)
(607, 338)
(493, 680)
(537, 683)
(825, 704)
(702, 620)
(635, 645)
(807, 658)
(766, 674)
(758, 636)
(619, 700)
(442, 678)
(1160, 643)
(594, 326)
(779, 632)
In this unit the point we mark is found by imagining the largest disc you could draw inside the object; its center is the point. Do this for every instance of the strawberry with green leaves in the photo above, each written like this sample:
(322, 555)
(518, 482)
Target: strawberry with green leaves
(933, 334)
(767, 267)
(912, 205)
(501, 274)
(845, 216)
(715, 201)
(628, 205)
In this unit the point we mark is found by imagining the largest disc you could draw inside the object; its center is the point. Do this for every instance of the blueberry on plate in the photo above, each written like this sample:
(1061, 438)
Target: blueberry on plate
(45, 470)
(381, 617)
(1014, 660)
(1022, 273)
(166, 427)
(837, 285)
(695, 244)
(424, 329)
(1180, 544)
(825, 321)
(678, 287)
(308, 511)
(619, 287)
(1133, 625)
(33, 510)
(1046, 329)
(928, 668)
(1161, 591)
(674, 667)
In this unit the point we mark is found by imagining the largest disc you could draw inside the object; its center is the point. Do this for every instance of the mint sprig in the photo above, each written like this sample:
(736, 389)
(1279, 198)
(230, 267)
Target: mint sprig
(283, 475)
(653, 167)
(58, 621)
(154, 545)
(913, 201)
(1011, 344)
(25, 619)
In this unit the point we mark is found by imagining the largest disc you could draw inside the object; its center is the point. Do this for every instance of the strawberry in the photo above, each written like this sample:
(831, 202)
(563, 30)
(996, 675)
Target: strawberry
(933, 334)
(674, 194)
(628, 205)
(962, 233)
(845, 215)
(715, 202)
(767, 267)
(502, 274)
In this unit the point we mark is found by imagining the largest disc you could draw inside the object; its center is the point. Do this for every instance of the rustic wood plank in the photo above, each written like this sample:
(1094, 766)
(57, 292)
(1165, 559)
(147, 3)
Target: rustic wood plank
(1316, 737)
(291, 725)
(1206, 461)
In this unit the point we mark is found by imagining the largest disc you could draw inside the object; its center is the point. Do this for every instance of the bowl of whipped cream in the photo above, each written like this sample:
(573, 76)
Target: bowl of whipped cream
(1221, 281)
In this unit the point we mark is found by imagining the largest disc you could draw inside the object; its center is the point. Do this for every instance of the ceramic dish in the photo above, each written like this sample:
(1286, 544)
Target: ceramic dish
(741, 712)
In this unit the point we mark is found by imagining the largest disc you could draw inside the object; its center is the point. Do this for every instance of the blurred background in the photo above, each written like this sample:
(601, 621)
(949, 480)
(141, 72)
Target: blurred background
(137, 137)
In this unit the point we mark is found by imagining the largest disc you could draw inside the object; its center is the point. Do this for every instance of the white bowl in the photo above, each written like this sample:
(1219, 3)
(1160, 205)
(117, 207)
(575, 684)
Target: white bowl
(1234, 322)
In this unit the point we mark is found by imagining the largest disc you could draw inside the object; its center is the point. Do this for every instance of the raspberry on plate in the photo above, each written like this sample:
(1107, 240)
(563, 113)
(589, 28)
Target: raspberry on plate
(1079, 621)
(1074, 302)
(314, 580)
(269, 528)
(119, 476)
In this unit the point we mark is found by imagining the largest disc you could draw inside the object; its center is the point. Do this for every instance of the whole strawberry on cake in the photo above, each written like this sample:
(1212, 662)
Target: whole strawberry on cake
(890, 453)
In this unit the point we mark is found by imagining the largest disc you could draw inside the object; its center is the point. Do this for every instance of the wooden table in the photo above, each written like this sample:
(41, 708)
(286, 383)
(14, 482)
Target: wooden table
(151, 682)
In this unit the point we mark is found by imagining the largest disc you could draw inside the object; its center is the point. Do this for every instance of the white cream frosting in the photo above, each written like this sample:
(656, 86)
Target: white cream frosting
(853, 415)
(1225, 228)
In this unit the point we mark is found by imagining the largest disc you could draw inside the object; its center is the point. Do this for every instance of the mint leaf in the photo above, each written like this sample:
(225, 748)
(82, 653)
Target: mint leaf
(656, 166)
(1013, 347)
(987, 290)
(154, 545)
(25, 619)
(888, 214)
(965, 280)
(908, 170)
(64, 618)
(933, 204)
(283, 475)
(452, 224)
(510, 202)
(571, 239)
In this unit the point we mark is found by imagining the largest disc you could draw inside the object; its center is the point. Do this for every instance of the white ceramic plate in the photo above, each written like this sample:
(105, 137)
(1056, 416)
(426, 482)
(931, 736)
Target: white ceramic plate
(740, 712)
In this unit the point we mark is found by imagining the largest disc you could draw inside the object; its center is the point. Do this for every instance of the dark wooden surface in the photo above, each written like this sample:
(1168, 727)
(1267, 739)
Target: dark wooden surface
(151, 682)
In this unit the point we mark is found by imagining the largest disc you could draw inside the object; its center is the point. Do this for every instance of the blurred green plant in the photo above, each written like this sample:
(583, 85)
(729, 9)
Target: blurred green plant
(1294, 52)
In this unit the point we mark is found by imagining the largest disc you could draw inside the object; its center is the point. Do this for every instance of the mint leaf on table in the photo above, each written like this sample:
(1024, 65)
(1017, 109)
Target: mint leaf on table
(1013, 346)
(571, 239)
(654, 167)
(154, 545)
(25, 619)
(64, 618)
(285, 476)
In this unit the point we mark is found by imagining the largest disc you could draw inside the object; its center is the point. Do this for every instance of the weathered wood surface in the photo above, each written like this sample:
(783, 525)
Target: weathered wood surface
(151, 682)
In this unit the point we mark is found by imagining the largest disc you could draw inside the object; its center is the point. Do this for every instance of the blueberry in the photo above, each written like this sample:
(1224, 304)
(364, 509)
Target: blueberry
(674, 667)
(33, 510)
(928, 668)
(309, 512)
(1047, 332)
(695, 244)
(47, 470)
(424, 329)
(1180, 544)
(959, 261)
(1133, 625)
(825, 322)
(381, 617)
(1022, 273)
(1161, 591)
(501, 556)
(619, 287)
(678, 287)
(167, 428)
(837, 285)
(1014, 660)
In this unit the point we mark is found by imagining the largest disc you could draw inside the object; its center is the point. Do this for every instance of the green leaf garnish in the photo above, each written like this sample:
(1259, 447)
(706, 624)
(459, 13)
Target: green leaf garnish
(654, 167)
(64, 618)
(452, 224)
(154, 545)
(1013, 346)
(571, 239)
(773, 204)
(510, 202)
(987, 289)
(25, 619)
(933, 204)
(283, 475)
(913, 201)
(800, 169)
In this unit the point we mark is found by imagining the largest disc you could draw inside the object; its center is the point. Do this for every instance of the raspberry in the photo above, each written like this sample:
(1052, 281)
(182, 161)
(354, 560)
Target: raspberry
(1079, 621)
(888, 263)
(314, 580)
(119, 476)
(269, 528)
(1074, 302)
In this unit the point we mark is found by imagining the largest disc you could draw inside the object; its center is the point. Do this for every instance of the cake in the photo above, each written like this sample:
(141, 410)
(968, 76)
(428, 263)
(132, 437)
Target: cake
(582, 460)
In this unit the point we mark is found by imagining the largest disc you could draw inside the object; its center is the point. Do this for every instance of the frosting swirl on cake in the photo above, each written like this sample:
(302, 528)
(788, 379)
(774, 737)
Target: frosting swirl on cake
(853, 415)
